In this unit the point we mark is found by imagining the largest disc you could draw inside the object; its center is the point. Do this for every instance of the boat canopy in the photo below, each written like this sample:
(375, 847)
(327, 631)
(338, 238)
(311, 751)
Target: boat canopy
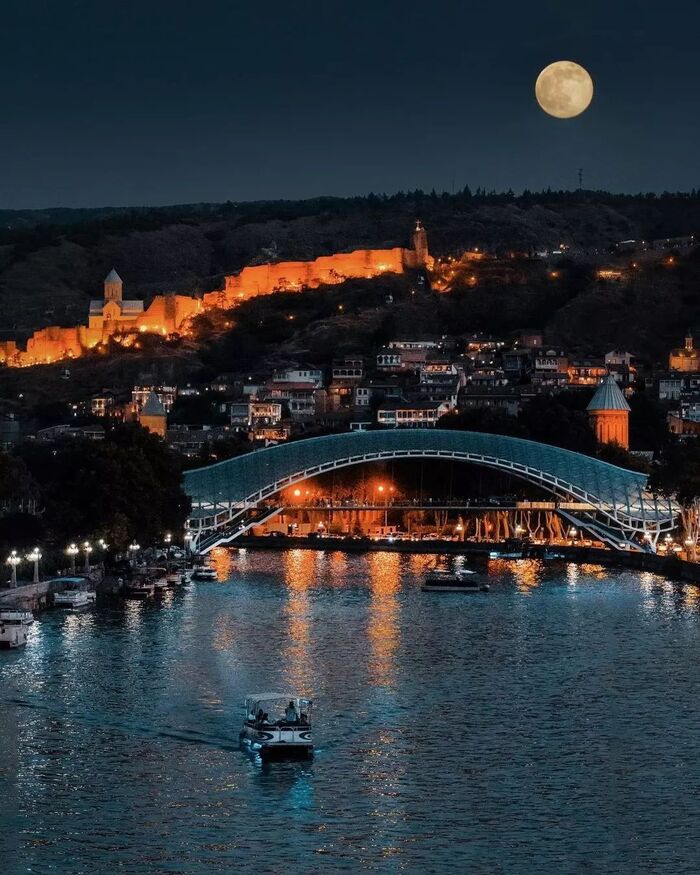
(268, 697)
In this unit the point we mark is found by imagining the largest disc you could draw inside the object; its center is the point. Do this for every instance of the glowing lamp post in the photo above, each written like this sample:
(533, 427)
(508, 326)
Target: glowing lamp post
(188, 543)
(34, 557)
(87, 550)
(572, 533)
(72, 551)
(134, 549)
(168, 542)
(690, 548)
(380, 490)
(459, 531)
(13, 560)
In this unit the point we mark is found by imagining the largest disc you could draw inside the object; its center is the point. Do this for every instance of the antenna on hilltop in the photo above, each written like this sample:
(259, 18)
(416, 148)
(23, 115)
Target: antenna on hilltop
(580, 179)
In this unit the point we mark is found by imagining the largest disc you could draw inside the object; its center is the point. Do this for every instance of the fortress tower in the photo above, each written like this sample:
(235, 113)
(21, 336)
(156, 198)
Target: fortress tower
(609, 412)
(114, 286)
(420, 244)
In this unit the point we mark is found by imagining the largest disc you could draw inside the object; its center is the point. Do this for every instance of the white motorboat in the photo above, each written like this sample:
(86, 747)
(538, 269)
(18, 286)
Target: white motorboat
(463, 580)
(204, 572)
(75, 593)
(506, 554)
(277, 726)
(14, 627)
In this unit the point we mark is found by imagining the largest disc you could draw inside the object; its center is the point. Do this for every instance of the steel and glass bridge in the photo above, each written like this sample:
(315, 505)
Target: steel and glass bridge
(229, 497)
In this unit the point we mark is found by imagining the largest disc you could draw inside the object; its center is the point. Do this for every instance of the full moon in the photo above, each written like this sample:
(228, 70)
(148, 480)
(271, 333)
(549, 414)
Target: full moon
(564, 89)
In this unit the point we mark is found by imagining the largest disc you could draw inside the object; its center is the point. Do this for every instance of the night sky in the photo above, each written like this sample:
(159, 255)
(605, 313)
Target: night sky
(114, 102)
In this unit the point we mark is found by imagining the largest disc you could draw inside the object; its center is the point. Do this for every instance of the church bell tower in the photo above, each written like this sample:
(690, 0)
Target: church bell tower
(113, 287)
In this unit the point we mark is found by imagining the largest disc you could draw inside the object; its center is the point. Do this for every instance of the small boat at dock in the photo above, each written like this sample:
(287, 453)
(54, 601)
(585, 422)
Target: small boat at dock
(74, 593)
(138, 588)
(277, 726)
(174, 576)
(506, 554)
(14, 628)
(204, 573)
(464, 580)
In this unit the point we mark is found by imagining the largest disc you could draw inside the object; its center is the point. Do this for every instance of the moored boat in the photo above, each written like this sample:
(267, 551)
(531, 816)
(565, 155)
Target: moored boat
(74, 594)
(138, 588)
(14, 627)
(462, 580)
(277, 726)
(204, 573)
(174, 577)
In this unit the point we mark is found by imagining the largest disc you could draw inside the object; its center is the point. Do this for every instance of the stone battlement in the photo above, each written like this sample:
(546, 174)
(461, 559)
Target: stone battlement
(166, 315)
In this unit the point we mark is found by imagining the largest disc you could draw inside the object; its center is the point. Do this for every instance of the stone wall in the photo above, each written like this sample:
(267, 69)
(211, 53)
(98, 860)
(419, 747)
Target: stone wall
(169, 314)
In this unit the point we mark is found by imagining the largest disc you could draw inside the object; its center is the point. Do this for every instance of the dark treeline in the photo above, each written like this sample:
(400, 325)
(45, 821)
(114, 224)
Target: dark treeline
(23, 226)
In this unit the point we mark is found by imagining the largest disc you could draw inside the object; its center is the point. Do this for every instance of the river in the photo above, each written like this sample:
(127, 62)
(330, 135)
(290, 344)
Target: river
(548, 726)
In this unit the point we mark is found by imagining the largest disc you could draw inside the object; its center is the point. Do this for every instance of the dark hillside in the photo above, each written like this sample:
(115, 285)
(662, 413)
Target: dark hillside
(52, 262)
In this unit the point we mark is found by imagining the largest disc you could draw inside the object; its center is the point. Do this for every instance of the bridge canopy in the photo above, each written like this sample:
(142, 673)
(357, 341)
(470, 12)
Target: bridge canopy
(247, 480)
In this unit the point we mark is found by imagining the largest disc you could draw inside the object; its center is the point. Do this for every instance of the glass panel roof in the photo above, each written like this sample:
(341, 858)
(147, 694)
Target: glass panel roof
(241, 480)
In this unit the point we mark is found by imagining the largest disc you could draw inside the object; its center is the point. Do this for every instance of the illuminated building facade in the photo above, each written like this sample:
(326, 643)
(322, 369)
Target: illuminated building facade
(113, 317)
(609, 412)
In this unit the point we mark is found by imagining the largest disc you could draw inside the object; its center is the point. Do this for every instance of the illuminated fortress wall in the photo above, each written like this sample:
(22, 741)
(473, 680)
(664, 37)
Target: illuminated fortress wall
(291, 276)
(115, 318)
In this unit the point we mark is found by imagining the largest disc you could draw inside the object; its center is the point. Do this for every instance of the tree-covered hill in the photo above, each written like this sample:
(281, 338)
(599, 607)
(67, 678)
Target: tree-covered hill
(53, 261)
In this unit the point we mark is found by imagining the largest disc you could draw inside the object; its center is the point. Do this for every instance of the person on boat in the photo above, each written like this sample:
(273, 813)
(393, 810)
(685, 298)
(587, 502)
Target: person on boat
(265, 719)
(259, 715)
(290, 713)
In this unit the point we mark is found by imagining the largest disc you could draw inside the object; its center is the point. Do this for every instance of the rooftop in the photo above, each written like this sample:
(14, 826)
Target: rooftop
(608, 397)
(153, 406)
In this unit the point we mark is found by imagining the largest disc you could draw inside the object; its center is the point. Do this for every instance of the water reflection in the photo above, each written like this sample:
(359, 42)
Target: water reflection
(299, 573)
(527, 573)
(382, 630)
(222, 561)
(77, 623)
(122, 735)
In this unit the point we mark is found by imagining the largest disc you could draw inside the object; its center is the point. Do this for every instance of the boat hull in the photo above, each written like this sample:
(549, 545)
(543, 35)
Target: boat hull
(446, 587)
(13, 643)
(141, 593)
(278, 744)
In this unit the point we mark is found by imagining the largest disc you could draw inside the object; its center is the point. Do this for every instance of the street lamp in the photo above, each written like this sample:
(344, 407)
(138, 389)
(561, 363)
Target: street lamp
(573, 531)
(168, 541)
(188, 543)
(134, 549)
(34, 557)
(13, 560)
(87, 549)
(72, 551)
